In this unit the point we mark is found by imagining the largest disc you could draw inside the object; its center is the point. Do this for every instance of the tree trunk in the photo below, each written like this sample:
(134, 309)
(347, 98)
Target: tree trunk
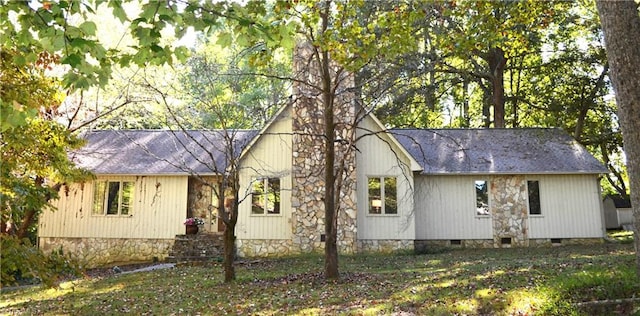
(486, 108)
(229, 253)
(621, 26)
(497, 62)
(331, 218)
(586, 103)
(330, 225)
(466, 118)
(31, 216)
(228, 214)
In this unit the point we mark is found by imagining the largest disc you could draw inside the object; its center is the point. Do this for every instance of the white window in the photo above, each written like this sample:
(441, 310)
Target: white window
(383, 197)
(265, 196)
(482, 197)
(113, 197)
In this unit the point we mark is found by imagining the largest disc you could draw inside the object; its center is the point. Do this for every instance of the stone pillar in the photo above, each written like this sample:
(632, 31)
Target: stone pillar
(199, 201)
(307, 196)
(509, 211)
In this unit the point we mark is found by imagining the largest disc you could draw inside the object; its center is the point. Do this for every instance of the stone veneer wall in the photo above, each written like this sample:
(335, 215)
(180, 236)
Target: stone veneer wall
(309, 160)
(422, 246)
(264, 247)
(384, 246)
(509, 210)
(95, 252)
(199, 201)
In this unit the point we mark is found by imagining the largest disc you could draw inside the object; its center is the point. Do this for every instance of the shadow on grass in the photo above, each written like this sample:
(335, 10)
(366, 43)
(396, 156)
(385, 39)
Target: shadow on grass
(544, 281)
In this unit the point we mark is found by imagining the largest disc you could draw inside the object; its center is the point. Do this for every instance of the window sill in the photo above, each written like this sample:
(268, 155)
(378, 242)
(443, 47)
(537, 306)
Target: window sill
(383, 215)
(483, 216)
(536, 216)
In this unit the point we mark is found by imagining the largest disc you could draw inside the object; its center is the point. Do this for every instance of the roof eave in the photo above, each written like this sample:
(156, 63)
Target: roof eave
(467, 173)
(170, 174)
(413, 163)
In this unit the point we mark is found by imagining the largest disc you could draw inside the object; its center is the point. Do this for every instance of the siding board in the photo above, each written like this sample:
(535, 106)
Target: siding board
(270, 156)
(159, 211)
(445, 209)
(571, 208)
(377, 156)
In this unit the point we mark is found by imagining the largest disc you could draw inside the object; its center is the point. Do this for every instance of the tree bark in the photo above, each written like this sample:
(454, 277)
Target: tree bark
(586, 103)
(229, 253)
(497, 62)
(228, 214)
(31, 215)
(331, 218)
(621, 26)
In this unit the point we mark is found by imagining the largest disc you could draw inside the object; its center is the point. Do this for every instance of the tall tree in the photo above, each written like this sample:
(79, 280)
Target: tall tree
(32, 147)
(621, 25)
(221, 95)
(325, 79)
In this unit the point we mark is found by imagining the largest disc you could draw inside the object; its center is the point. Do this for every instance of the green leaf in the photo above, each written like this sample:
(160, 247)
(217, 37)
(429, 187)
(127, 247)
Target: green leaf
(182, 53)
(72, 60)
(89, 28)
(19, 59)
(224, 39)
(118, 11)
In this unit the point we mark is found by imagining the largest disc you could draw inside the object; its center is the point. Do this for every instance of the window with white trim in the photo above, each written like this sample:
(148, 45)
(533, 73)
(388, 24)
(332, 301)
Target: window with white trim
(113, 197)
(383, 196)
(265, 196)
(482, 197)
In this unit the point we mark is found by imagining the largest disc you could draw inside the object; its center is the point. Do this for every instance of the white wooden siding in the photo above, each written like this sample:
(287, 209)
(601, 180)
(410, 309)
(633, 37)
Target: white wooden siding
(446, 209)
(381, 158)
(159, 211)
(571, 208)
(270, 156)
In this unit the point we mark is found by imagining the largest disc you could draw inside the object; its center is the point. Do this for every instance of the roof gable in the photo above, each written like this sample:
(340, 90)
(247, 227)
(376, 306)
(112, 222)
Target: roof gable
(497, 151)
(151, 152)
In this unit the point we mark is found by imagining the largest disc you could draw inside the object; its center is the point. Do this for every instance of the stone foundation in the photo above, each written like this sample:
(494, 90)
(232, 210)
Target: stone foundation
(564, 242)
(95, 252)
(264, 248)
(384, 246)
(422, 246)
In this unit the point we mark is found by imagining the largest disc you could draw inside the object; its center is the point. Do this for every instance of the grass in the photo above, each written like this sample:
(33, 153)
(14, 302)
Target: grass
(544, 281)
(622, 236)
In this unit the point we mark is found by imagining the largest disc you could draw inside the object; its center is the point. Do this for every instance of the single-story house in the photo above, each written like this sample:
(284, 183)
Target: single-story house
(617, 211)
(404, 189)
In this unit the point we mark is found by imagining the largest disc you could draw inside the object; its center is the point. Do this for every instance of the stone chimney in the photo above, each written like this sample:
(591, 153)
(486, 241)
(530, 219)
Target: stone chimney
(309, 143)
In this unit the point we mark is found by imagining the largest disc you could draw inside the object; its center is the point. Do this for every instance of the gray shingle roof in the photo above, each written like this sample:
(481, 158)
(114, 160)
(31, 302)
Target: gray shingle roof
(147, 152)
(497, 151)
(438, 151)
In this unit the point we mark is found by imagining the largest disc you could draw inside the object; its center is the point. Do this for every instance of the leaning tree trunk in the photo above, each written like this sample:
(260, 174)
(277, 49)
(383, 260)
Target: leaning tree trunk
(621, 26)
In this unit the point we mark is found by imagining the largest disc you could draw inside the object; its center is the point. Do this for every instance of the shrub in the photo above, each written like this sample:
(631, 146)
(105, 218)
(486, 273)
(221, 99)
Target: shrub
(23, 263)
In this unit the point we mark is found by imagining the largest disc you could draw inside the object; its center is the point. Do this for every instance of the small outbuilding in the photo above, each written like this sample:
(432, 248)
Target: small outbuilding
(617, 211)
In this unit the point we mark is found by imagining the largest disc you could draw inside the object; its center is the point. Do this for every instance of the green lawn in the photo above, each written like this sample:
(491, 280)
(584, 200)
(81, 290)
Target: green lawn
(543, 281)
